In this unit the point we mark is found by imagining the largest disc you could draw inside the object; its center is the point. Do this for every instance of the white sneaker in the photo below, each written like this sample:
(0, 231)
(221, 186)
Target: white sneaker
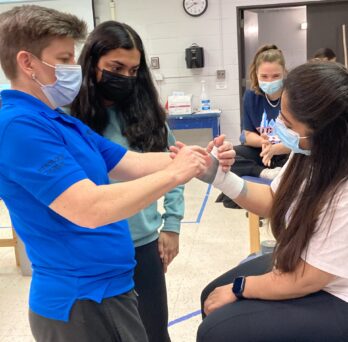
(270, 173)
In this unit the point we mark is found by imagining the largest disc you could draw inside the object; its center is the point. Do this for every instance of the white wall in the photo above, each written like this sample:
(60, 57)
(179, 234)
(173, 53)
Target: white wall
(287, 22)
(167, 30)
(81, 8)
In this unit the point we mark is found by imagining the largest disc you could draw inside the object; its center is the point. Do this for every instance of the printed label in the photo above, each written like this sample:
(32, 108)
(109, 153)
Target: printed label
(205, 104)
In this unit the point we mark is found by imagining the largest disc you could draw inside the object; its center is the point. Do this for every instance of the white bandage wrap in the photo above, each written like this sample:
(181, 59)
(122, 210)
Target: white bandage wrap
(214, 152)
(228, 182)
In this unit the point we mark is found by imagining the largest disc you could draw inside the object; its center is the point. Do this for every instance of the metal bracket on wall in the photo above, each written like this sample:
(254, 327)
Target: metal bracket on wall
(344, 38)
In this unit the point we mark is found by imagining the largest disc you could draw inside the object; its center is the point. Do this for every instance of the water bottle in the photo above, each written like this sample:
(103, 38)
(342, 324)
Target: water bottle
(205, 101)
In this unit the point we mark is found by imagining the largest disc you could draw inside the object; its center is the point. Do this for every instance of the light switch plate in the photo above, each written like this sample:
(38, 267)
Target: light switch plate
(221, 74)
(154, 63)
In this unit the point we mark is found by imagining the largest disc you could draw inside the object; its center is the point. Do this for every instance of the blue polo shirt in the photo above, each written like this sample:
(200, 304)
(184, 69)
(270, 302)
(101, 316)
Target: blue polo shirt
(44, 152)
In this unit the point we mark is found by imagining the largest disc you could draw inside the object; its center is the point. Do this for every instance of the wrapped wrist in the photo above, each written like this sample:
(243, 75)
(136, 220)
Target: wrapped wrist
(210, 174)
(229, 183)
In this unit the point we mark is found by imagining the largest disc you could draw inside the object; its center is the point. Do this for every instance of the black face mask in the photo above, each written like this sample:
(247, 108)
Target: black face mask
(115, 87)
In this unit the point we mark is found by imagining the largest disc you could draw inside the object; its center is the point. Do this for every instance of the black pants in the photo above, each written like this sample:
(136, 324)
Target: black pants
(319, 317)
(115, 319)
(249, 163)
(151, 286)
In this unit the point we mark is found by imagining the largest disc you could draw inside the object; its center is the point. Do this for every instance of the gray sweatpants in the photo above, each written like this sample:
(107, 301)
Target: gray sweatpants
(115, 319)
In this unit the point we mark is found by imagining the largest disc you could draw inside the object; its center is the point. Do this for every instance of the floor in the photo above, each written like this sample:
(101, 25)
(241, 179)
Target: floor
(213, 239)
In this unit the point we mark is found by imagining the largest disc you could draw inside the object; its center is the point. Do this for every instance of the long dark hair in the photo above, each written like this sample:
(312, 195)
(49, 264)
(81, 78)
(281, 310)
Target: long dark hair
(317, 95)
(142, 117)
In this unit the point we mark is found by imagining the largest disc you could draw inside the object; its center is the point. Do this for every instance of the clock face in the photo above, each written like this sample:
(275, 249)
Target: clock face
(195, 8)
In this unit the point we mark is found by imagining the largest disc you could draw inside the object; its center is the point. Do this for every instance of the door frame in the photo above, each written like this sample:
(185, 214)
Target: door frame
(240, 33)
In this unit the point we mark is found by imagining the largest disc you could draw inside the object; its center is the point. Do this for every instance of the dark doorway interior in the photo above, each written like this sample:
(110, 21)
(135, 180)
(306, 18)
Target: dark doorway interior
(325, 23)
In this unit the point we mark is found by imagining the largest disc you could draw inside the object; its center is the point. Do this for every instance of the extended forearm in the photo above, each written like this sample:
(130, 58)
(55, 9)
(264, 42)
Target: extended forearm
(122, 200)
(91, 206)
(134, 165)
(257, 198)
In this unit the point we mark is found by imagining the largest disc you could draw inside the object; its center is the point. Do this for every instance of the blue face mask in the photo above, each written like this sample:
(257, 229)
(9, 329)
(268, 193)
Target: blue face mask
(67, 86)
(271, 87)
(289, 138)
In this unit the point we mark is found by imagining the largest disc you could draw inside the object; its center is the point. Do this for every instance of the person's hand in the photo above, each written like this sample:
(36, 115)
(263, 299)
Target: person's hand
(219, 297)
(225, 157)
(264, 139)
(222, 156)
(168, 247)
(188, 162)
(225, 152)
(267, 151)
(267, 154)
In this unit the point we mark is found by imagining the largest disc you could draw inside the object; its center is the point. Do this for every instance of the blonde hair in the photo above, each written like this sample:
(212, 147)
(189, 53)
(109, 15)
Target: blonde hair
(32, 28)
(266, 53)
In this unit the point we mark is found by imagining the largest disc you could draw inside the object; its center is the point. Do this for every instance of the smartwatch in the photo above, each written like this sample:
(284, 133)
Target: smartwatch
(238, 287)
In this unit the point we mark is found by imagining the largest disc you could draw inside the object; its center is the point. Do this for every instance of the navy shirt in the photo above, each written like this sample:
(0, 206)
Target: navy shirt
(44, 152)
(259, 113)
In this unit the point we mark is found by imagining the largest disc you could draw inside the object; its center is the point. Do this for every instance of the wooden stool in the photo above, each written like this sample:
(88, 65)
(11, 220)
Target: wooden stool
(254, 220)
(12, 242)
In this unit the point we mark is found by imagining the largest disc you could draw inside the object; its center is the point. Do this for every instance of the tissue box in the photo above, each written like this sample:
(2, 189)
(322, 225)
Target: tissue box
(179, 104)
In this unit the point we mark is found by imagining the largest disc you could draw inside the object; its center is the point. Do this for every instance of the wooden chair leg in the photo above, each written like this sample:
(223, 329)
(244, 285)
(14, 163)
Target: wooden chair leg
(13, 242)
(16, 247)
(254, 232)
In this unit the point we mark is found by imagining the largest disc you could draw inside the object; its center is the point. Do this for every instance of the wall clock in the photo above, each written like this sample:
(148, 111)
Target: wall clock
(195, 8)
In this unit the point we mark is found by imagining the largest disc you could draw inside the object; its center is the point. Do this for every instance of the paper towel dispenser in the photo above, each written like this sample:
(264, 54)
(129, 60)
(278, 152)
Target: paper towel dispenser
(194, 56)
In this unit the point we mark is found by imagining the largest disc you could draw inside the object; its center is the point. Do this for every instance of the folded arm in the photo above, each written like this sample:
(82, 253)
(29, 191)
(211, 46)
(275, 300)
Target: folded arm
(253, 139)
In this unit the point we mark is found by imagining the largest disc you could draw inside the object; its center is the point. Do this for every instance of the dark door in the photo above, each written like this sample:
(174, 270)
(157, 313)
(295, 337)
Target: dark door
(325, 28)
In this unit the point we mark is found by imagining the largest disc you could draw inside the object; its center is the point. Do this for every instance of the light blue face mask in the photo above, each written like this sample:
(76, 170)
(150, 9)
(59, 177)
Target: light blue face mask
(271, 87)
(67, 86)
(289, 138)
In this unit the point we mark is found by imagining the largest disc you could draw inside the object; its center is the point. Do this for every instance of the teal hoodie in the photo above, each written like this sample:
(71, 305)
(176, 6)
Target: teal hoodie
(144, 225)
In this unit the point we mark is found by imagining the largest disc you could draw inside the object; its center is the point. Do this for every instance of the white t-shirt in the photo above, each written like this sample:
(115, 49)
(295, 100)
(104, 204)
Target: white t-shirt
(328, 247)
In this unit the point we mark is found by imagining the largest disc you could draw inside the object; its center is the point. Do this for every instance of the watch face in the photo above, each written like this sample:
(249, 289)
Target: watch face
(195, 8)
(238, 286)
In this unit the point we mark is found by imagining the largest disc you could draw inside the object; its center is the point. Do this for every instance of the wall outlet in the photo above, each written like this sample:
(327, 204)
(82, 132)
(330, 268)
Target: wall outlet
(221, 74)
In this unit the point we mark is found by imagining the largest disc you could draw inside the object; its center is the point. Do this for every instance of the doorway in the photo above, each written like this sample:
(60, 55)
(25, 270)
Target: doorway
(298, 29)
